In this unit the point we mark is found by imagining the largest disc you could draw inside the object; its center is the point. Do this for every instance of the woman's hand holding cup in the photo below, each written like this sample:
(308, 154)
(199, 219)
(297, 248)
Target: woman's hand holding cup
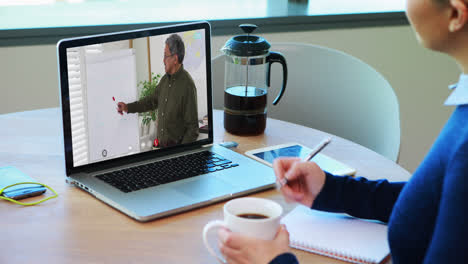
(250, 226)
(238, 248)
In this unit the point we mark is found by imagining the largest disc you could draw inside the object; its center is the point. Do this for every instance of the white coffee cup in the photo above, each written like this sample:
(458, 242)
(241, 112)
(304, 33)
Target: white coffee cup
(264, 228)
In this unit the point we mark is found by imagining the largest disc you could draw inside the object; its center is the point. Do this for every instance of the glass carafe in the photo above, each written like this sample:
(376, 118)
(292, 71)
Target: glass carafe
(247, 79)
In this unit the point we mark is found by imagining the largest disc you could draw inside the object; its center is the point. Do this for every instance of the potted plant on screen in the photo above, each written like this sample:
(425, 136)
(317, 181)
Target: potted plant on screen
(147, 88)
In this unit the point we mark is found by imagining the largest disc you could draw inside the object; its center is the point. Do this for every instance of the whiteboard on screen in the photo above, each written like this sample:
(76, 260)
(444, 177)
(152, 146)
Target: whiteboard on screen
(111, 76)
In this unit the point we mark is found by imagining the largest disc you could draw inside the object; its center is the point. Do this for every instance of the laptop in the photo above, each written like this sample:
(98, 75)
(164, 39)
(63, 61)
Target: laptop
(116, 157)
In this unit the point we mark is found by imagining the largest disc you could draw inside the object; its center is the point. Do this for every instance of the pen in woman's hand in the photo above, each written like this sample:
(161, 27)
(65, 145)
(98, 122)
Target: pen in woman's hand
(284, 181)
(318, 148)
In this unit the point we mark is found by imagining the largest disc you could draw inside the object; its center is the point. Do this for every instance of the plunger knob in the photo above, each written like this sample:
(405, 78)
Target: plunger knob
(248, 28)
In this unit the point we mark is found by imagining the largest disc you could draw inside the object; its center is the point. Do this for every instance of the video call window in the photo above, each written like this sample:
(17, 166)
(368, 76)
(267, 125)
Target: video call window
(102, 75)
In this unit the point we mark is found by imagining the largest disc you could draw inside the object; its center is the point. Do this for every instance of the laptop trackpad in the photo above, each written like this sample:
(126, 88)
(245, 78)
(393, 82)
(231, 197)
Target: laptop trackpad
(205, 187)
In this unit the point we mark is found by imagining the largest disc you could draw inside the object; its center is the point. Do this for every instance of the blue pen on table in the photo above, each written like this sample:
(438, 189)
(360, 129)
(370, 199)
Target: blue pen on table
(315, 151)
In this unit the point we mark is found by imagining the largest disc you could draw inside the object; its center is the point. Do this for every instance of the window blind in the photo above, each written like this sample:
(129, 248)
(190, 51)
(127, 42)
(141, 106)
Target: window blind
(77, 89)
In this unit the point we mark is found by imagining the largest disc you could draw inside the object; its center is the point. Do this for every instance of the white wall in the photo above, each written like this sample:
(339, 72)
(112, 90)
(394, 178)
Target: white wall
(419, 77)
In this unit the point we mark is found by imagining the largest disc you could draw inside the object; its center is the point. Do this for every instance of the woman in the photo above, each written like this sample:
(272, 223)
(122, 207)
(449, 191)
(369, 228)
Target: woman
(426, 216)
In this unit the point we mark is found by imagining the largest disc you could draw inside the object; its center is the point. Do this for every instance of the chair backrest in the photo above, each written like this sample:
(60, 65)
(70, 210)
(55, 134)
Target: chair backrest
(331, 91)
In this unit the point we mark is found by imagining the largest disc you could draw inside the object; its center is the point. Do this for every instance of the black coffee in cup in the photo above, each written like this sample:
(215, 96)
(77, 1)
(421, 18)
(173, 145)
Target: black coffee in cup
(252, 216)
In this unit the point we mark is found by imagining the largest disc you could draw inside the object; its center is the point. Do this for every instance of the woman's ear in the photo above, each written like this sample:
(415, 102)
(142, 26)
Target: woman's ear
(459, 16)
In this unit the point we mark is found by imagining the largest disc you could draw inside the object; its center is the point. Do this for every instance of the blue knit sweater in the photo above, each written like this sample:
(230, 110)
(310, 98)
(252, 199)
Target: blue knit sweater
(428, 216)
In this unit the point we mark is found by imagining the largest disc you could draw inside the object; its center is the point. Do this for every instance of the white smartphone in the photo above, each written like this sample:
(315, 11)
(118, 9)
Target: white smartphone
(326, 163)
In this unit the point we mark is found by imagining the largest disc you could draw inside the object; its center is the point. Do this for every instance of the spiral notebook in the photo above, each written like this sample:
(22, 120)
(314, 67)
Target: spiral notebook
(337, 235)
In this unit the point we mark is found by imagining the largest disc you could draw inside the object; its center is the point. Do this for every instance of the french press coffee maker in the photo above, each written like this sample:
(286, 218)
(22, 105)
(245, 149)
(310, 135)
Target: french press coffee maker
(247, 79)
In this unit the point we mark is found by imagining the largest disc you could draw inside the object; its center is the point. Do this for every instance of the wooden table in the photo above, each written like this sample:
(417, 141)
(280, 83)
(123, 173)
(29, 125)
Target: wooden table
(77, 228)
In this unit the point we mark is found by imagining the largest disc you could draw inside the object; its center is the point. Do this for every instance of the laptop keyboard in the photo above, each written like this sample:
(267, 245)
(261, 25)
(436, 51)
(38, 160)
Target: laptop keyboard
(165, 171)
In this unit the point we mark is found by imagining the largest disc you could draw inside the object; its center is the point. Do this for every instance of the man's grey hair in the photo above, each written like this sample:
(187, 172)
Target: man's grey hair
(176, 46)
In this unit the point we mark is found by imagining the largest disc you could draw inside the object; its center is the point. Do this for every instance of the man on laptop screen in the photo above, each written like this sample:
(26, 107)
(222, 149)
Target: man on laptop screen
(174, 98)
(112, 71)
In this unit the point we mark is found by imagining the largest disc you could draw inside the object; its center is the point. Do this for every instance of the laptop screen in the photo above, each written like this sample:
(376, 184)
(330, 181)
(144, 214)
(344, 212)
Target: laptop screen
(134, 92)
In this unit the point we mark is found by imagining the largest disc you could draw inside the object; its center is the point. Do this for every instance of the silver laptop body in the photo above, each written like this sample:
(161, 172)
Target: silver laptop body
(91, 148)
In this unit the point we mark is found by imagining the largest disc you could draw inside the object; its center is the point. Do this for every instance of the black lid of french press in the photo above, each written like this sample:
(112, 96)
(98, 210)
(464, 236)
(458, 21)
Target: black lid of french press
(246, 45)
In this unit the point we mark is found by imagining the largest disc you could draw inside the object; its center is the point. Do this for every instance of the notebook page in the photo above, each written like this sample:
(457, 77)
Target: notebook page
(337, 234)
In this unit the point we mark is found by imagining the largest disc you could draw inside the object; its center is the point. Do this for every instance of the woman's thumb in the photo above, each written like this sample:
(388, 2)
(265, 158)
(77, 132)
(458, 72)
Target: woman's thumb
(294, 172)
(283, 234)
